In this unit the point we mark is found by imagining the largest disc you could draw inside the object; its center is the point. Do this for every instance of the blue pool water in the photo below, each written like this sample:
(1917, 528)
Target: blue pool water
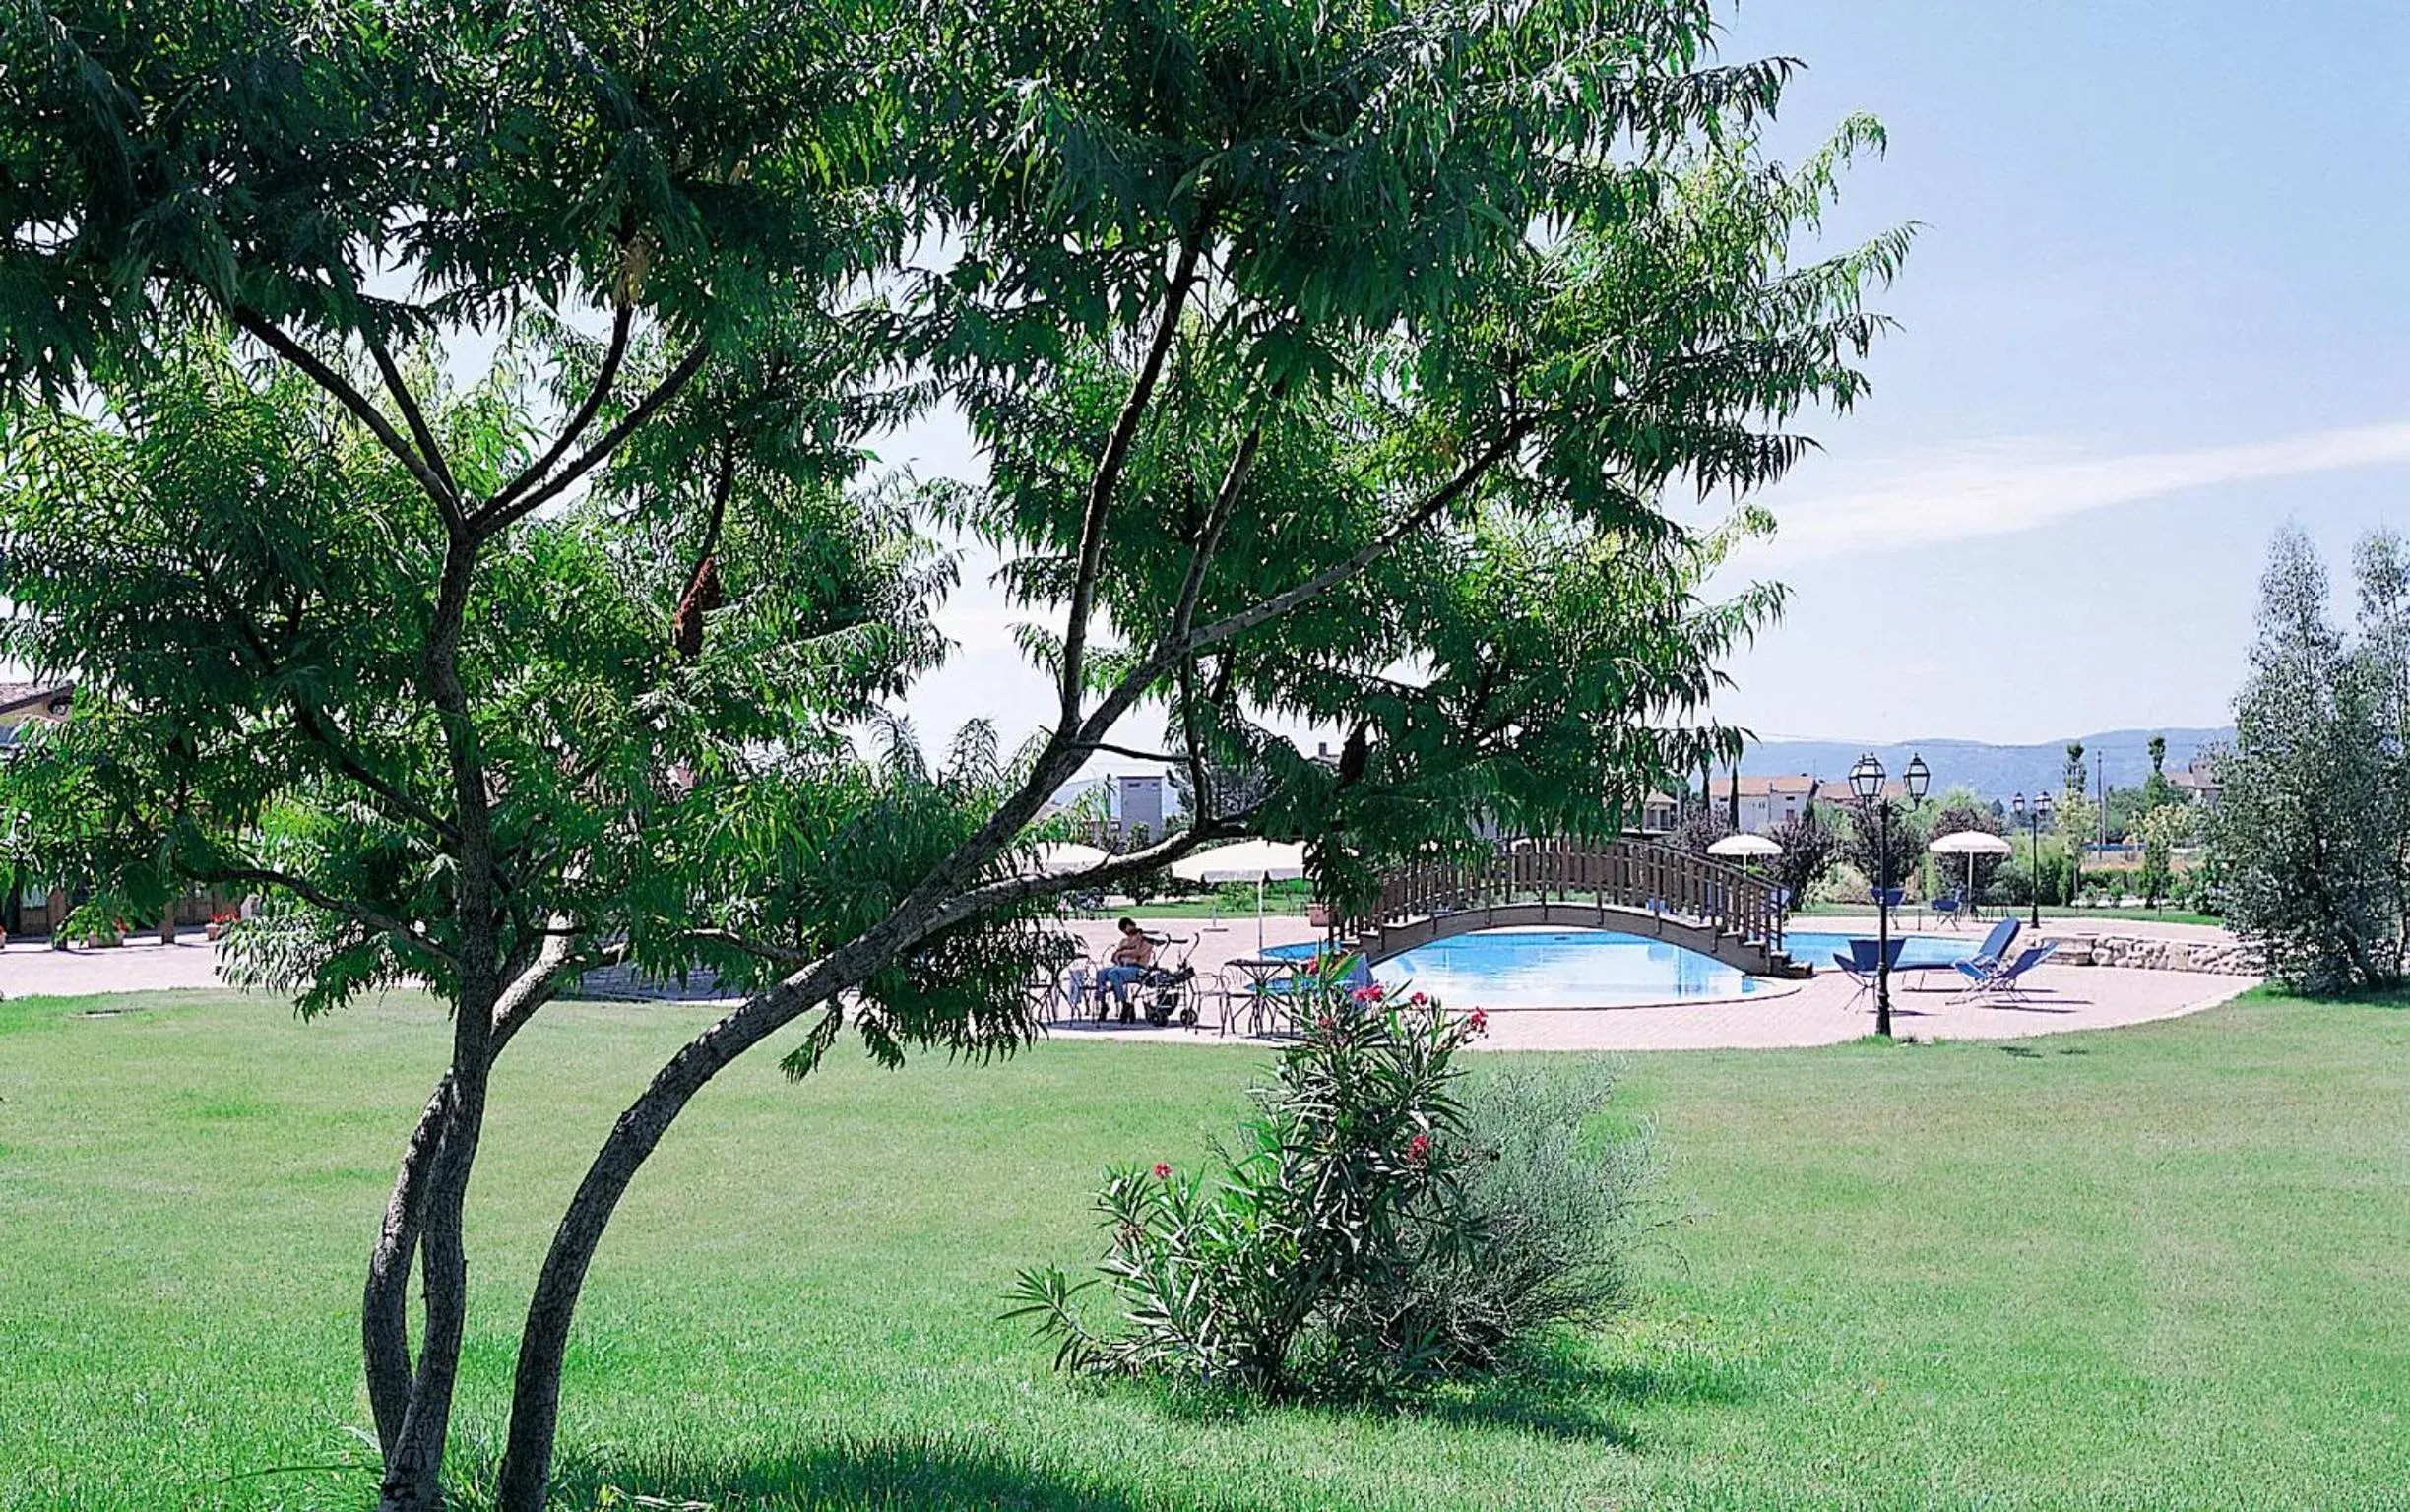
(1596, 969)
(1818, 949)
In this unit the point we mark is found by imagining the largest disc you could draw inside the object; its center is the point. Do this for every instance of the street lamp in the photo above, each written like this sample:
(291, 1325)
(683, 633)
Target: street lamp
(2035, 817)
(1867, 782)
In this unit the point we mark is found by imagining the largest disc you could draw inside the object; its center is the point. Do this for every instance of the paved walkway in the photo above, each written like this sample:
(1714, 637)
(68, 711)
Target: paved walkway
(31, 968)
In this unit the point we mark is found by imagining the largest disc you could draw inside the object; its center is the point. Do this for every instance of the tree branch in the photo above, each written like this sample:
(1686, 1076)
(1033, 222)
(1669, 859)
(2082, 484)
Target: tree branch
(347, 762)
(1023, 888)
(497, 514)
(326, 377)
(622, 323)
(778, 955)
(412, 415)
(319, 898)
(1365, 556)
(1108, 474)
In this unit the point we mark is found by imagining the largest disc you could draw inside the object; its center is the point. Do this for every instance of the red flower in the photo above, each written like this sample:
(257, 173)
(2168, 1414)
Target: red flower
(1369, 992)
(1418, 1149)
(1480, 1020)
(1161, 1172)
(1417, 999)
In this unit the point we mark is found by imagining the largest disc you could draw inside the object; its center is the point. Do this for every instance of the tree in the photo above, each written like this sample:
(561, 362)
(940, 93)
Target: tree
(2157, 792)
(1809, 851)
(484, 685)
(1701, 825)
(1962, 811)
(2380, 564)
(2307, 866)
(1882, 841)
(2163, 829)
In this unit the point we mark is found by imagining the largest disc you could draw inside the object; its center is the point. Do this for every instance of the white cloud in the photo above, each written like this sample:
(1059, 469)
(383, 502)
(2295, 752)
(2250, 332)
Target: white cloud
(1996, 489)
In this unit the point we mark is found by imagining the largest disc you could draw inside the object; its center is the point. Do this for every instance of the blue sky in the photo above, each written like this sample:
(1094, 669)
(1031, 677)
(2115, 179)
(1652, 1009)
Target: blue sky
(2156, 310)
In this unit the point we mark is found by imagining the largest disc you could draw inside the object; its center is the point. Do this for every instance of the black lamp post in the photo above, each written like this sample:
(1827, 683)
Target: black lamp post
(1865, 781)
(2035, 817)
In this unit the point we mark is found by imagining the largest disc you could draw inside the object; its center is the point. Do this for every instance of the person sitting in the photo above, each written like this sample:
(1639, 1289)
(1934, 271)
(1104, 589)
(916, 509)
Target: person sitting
(1133, 957)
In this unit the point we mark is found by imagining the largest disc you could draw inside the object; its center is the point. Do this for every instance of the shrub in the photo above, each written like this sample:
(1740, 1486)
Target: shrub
(1371, 1235)
(1558, 1213)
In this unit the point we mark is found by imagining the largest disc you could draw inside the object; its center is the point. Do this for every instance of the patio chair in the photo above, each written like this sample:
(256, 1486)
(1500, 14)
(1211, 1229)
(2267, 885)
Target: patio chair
(1066, 992)
(1859, 963)
(2004, 981)
(1996, 944)
(1947, 906)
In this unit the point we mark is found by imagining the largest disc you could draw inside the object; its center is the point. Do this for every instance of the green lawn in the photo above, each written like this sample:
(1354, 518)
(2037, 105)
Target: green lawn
(2158, 1268)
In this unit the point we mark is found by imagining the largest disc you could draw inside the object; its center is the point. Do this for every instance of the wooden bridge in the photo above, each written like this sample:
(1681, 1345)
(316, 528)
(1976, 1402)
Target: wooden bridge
(1628, 885)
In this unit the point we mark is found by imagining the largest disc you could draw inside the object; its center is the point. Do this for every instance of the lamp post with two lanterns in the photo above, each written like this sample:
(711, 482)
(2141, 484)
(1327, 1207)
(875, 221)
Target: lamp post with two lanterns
(1866, 781)
(2035, 817)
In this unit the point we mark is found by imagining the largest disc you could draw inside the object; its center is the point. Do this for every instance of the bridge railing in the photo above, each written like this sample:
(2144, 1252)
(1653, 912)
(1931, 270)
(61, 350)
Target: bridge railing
(1636, 874)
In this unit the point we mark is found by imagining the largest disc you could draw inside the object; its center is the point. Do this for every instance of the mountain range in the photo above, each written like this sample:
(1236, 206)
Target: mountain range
(1995, 771)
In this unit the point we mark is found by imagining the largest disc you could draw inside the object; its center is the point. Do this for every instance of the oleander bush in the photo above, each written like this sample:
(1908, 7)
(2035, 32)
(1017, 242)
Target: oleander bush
(1383, 1222)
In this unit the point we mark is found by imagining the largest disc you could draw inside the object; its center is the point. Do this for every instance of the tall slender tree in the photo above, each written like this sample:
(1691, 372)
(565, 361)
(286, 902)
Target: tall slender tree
(2299, 826)
(1301, 347)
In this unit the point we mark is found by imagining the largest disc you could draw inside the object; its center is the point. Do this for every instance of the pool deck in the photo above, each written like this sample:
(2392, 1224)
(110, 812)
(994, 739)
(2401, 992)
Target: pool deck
(1820, 1012)
(1823, 1011)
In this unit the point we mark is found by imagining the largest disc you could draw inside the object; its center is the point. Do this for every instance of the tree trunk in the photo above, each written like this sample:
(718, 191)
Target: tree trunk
(385, 1302)
(414, 1466)
(527, 1460)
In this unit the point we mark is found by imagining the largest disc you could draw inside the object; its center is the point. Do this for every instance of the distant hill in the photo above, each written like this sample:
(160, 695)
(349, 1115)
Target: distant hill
(1995, 771)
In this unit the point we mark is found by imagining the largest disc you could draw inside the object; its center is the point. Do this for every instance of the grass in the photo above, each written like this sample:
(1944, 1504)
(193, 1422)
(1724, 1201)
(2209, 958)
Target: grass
(2154, 1268)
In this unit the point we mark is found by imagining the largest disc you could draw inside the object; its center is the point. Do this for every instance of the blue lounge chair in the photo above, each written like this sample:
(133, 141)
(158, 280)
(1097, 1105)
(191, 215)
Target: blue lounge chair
(1997, 980)
(1858, 962)
(1996, 944)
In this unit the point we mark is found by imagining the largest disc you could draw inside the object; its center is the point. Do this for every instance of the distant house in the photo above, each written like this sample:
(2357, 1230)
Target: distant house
(1658, 813)
(2199, 779)
(23, 704)
(1765, 801)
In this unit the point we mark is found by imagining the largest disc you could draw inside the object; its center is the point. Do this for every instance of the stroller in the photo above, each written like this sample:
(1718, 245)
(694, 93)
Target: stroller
(1166, 994)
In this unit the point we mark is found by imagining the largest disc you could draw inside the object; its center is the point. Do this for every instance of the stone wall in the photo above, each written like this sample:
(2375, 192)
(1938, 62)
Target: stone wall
(2226, 958)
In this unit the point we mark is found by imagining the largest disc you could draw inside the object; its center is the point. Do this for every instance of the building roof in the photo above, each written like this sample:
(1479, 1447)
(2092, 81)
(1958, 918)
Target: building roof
(17, 697)
(1801, 785)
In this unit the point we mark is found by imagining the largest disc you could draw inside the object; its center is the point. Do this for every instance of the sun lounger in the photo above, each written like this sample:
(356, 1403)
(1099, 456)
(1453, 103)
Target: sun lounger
(1997, 980)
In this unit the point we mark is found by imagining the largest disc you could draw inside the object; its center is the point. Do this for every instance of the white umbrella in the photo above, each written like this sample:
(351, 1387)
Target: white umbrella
(1249, 860)
(1747, 845)
(1969, 843)
(1064, 858)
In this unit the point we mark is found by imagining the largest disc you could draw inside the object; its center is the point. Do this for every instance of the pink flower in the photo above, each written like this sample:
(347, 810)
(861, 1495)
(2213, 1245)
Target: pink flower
(1161, 1172)
(1480, 1020)
(1369, 992)
(1417, 999)
(1418, 1149)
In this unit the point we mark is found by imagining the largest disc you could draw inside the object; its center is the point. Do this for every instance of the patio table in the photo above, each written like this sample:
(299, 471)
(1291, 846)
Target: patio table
(1260, 972)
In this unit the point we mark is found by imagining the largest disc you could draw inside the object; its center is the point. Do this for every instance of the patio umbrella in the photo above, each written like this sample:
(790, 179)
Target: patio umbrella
(1969, 843)
(1744, 846)
(1249, 860)
(1064, 858)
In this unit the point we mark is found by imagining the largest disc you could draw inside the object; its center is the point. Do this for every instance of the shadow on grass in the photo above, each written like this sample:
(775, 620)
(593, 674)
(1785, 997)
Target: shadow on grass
(1557, 1396)
(1553, 1396)
(878, 1472)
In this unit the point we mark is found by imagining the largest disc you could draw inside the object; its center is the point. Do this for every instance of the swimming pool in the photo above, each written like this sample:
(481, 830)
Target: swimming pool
(1598, 969)
(1817, 948)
